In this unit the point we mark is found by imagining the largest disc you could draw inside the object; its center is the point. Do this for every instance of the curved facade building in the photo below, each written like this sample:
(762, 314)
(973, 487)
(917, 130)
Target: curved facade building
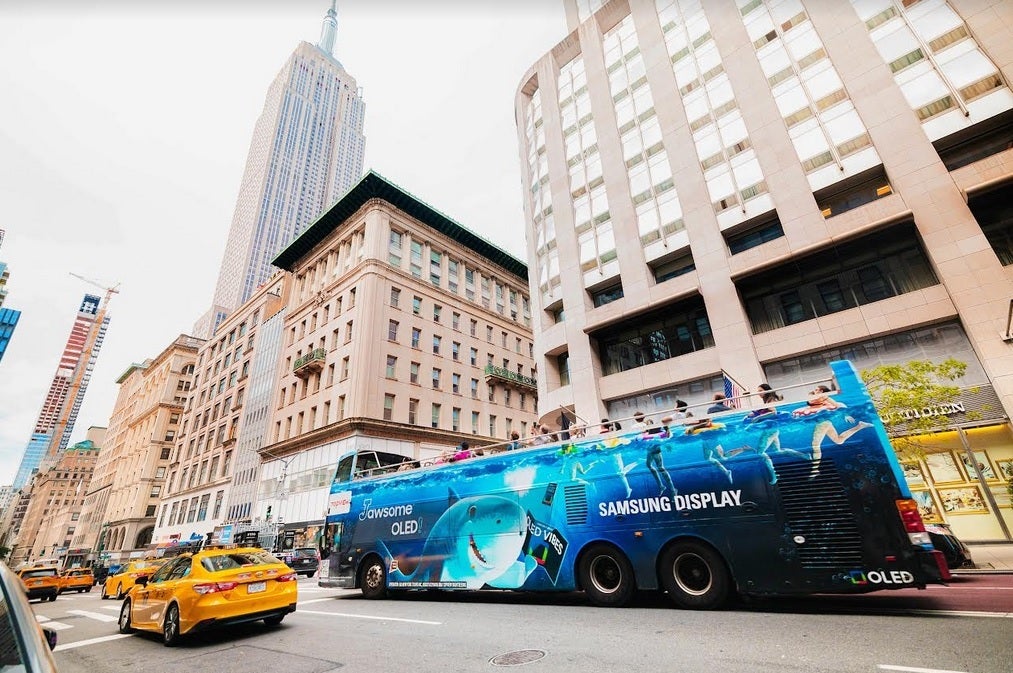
(722, 193)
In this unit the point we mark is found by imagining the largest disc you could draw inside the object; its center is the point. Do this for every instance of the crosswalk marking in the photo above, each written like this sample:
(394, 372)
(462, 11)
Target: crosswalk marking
(50, 624)
(112, 608)
(98, 616)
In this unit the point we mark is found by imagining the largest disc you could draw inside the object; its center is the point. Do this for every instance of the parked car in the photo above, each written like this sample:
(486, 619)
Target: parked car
(77, 579)
(25, 645)
(956, 552)
(209, 588)
(303, 560)
(40, 581)
(120, 583)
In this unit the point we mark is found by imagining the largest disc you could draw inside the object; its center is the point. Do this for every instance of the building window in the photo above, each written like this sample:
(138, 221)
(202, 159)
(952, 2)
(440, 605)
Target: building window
(756, 231)
(473, 328)
(415, 261)
(455, 321)
(673, 267)
(474, 422)
(391, 367)
(392, 330)
(607, 295)
(668, 332)
(413, 410)
(456, 351)
(994, 213)
(455, 419)
(854, 273)
(416, 305)
(436, 415)
(395, 297)
(416, 337)
(436, 378)
(563, 363)
(474, 357)
(474, 389)
(436, 344)
(388, 407)
(456, 384)
(394, 249)
(344, 368)
(492, 425)
(437, 309)
(435, 267)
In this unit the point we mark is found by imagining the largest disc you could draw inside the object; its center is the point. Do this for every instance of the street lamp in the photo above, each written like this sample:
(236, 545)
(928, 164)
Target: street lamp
(281, 496)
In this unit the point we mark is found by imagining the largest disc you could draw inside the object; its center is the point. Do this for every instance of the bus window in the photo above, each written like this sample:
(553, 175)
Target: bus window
(344, 468)
(366, 462)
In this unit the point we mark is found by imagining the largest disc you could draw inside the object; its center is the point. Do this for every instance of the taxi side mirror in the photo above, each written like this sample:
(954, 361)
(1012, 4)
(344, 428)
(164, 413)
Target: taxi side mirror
(141, 581)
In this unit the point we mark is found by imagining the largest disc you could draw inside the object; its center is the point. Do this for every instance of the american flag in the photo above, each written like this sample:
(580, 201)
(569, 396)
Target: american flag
(732, 391)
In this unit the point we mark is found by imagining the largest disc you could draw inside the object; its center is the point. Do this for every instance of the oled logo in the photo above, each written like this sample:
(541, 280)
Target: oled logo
(860, 577)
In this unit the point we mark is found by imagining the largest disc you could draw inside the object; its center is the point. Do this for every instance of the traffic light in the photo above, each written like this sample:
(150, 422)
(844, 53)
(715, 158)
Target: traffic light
(268, 513)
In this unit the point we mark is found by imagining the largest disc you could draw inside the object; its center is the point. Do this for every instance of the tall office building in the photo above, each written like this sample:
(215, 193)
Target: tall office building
(8, 316)
(748, 189)
(59, 410)
(306, 151)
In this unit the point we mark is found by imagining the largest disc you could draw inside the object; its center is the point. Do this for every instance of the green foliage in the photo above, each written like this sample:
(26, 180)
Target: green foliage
(918, 384)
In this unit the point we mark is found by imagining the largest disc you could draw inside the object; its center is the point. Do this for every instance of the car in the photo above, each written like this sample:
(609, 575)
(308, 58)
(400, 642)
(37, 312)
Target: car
(303, 560)
(77, 579)
(41, 581)
(24, 644)
(119, 584)
(956, 552)
(216, 586)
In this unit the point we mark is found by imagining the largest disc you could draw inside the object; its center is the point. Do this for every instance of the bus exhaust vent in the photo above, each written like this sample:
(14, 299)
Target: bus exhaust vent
(817, 510)
(576, 504)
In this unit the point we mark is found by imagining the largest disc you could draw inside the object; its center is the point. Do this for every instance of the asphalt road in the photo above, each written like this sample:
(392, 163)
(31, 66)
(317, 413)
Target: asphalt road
(966, 627)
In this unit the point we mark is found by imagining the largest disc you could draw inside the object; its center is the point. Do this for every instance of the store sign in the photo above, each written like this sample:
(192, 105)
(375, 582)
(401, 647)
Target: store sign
(928, 412)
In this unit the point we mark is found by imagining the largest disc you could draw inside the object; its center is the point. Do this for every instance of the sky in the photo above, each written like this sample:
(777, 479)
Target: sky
(124, 129)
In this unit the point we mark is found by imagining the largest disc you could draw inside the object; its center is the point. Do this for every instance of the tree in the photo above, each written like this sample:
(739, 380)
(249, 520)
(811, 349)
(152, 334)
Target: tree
(909, 397)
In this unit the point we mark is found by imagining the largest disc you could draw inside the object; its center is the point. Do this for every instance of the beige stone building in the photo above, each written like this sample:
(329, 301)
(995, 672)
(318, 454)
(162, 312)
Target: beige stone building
(201, 468)
(57, 496)
(130, 475)
(742, 191)
(403, 332)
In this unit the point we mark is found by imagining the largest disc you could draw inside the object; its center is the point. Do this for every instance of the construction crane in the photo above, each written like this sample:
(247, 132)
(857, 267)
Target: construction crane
(110, 291)
(77, 378)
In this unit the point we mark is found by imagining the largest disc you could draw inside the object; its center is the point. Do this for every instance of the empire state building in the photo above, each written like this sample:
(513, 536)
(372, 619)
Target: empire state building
(306, 151)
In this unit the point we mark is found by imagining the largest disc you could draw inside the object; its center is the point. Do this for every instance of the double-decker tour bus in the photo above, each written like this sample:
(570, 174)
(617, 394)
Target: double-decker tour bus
(793, 498)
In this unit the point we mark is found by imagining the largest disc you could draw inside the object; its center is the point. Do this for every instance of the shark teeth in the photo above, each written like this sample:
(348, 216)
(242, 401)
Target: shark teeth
(474, 549)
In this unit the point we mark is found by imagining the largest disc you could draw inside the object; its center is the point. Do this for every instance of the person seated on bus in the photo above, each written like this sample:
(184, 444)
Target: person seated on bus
(719, 404)
(577, 431)
(463, 452)
(819, 400)
(515, 441)
(639, 421)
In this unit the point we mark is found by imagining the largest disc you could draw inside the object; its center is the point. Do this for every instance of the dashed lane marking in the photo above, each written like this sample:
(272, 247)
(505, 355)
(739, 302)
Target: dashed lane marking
(56, 626)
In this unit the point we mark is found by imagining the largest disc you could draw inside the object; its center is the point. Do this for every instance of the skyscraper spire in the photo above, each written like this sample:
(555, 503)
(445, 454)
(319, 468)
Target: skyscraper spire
(327, 31)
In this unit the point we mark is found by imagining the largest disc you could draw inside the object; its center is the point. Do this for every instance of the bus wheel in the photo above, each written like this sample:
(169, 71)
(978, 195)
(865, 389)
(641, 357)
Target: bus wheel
(695, 576)
(606, 576)
(373, 579)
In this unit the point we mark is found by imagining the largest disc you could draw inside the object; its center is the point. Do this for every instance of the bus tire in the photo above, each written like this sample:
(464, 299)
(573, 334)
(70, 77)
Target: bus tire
(695, 576)
(606, 576)
(373, 579)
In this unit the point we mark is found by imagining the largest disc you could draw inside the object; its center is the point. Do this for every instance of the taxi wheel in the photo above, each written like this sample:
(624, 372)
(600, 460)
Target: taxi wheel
(119, 592)
(124, 622)
(170, 628)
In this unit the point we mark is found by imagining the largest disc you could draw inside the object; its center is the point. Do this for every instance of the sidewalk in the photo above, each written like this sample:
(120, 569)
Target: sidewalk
(990, 558)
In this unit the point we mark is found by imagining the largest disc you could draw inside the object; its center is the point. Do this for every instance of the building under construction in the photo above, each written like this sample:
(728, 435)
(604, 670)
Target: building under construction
(55, 423)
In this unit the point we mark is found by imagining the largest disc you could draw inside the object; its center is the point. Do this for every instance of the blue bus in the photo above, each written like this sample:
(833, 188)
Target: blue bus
(794, 498)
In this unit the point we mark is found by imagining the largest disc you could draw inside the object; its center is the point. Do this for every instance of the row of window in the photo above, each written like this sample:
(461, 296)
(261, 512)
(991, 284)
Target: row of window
(190, 510)
(437, 420)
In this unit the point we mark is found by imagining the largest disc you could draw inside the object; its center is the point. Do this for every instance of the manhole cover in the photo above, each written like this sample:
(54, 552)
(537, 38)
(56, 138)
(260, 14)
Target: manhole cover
(517, 658)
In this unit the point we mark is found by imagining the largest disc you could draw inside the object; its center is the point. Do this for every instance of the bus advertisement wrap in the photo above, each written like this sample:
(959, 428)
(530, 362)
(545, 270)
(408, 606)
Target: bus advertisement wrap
(800, 499)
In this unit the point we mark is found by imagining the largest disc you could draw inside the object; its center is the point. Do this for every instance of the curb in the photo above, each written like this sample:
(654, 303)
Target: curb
(982, 571)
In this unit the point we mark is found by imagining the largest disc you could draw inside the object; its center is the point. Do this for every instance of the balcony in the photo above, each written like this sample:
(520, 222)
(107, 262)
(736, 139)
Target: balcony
(310, 363)
(502, 375)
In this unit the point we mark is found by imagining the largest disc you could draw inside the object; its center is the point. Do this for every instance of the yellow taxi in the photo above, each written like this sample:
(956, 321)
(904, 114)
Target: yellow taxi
(41, 581)
(77, 579)
(119, 584)
(212, 587)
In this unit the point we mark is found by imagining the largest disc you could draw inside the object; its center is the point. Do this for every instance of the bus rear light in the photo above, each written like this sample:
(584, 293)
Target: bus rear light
(908, 510)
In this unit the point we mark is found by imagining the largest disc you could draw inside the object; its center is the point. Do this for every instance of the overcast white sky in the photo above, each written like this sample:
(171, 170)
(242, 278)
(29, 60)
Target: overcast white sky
(124, 132)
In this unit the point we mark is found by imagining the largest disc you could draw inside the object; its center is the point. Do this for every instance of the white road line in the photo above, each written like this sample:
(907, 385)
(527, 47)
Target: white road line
(50, 624)
(112, 608)
(956, 588)
(915, 669)
(90, 641)
(383, 619)
(314, 600)
(98, 616)
(958, 613)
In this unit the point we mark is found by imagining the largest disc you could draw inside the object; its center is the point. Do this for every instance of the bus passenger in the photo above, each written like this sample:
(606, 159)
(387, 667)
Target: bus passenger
(515, 441)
